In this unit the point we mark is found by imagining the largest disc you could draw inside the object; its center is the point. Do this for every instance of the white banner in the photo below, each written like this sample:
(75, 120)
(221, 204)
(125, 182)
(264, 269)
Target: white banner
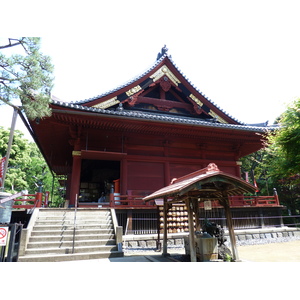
(13, 196)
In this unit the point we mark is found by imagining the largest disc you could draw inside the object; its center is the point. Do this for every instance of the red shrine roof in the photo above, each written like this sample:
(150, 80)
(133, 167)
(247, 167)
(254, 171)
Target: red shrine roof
(159, 102)
(162, 68)
(178, 100)
(196, 183)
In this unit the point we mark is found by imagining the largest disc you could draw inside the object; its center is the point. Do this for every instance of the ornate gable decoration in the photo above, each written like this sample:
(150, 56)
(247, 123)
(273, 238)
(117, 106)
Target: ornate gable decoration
(164, 70)
(108, 103)
(184, 99)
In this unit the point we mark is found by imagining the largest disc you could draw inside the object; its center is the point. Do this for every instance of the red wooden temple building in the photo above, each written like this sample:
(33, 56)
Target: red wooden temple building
(118, 147)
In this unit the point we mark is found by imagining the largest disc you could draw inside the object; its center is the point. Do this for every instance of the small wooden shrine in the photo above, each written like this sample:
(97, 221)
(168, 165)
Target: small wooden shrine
(208, 184)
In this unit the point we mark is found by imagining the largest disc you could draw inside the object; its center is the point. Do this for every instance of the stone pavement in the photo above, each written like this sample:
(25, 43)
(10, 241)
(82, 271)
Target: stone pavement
(131, 258)
(271, 252)
(137, 256)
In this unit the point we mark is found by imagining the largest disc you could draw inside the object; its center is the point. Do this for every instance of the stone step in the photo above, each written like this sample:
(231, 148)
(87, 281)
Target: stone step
(43, 238)
(72, 213)
(71, 227)
(70, 257)
(71, 218)
(52, 236)
(70, 232)
(69, 243)
(67, 250)
(71, 222)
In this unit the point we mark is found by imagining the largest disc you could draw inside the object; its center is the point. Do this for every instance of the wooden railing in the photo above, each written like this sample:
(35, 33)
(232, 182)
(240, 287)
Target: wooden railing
(121, 201)
(29, 202)
(32, 200)
(135, 201)
(129, 201)
(244, 201)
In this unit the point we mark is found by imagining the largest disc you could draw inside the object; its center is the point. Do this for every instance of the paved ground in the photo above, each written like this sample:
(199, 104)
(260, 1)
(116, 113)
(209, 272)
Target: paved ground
(273, 252)
(138, 256)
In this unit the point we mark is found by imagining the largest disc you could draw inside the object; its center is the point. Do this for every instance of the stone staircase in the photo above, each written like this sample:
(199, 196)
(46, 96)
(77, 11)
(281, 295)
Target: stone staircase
(50, 238)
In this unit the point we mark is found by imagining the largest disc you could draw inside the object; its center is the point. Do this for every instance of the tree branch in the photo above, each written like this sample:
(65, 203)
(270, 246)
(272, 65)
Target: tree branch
(19, 42)
(10, 104)
(11, 44)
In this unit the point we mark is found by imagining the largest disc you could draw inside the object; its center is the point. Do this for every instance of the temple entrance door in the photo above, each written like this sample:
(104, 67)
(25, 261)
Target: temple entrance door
(97, 180)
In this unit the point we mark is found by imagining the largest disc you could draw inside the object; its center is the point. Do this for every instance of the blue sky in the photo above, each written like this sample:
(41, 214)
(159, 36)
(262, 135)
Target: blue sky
(242, 55)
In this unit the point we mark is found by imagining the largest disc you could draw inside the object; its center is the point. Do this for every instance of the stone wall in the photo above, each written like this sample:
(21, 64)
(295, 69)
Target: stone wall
(267, 235)
(243, 237)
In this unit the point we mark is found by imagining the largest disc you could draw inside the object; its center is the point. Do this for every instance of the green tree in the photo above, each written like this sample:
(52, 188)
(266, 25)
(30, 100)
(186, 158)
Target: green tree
(285, 142)
(257, 167)
(27, 167)
(278, 164)
(284, 149)
(26, 76)
(15, 177)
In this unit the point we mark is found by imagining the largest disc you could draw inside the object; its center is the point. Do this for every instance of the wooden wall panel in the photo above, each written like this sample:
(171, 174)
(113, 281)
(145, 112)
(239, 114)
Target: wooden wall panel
(178, 170)
(148, 176)
(229, 169)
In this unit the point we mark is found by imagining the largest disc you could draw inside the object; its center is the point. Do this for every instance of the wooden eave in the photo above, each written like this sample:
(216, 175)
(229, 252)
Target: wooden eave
(55, 140)
(194, 185)
(155, 125)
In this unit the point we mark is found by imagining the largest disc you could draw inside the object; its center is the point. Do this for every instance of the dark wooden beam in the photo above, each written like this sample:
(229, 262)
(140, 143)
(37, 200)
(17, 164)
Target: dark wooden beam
(225, 203)
(191, 231)
(165, 239)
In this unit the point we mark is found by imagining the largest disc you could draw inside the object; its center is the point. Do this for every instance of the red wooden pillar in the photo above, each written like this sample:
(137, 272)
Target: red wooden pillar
(238, 169)
(75, 179)
(68, 186)
(123, 179)
(167, 173)
(39, 199)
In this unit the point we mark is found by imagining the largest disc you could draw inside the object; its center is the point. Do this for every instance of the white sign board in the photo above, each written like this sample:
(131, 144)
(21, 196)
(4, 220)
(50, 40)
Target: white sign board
(3, 235)
(207, 205)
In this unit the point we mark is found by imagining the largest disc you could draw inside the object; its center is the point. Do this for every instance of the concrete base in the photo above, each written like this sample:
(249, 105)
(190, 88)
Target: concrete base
(248, 236)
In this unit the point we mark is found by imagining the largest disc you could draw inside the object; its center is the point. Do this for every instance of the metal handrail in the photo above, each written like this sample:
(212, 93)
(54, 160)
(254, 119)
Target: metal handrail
(74, 225)
(10, 251)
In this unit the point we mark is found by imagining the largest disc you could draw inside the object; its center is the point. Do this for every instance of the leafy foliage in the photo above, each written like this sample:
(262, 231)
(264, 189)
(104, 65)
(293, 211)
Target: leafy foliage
(26, 76)
(278, 164)
(256, 164)
(27, 167)
(285, 143)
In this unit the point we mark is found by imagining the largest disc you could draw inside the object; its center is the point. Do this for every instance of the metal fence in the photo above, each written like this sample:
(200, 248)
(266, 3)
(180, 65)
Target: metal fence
(148, 222)
(10, 235)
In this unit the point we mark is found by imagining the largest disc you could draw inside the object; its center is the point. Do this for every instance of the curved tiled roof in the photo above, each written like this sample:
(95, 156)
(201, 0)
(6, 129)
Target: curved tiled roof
(149, 69)
(159, 117)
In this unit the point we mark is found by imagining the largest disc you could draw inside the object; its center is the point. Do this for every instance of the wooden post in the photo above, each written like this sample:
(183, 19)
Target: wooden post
(191, 231)
(123, 179)
(165, 241)
(75, 180)
(158, 243)
(230, 229)
(11, 136)
(39, 199)
(129, 221)
(197, 214)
